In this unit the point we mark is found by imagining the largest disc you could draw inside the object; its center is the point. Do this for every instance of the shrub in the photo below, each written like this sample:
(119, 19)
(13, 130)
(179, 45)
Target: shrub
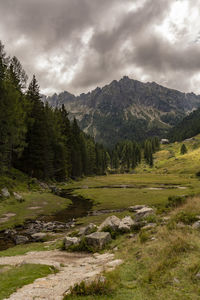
(143, 236)
(113, 233)
(74, 233)
(82, 246)
(175, 201)
(183, 149)
(97, 287)
(186, 217)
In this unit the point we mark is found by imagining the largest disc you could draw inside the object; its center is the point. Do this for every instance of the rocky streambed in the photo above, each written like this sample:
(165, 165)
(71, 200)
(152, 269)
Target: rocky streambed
(38, 230)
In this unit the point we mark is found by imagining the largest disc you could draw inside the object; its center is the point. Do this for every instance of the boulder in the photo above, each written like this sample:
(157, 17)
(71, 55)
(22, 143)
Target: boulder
(20, 239)
(143, 212)
(87, 230)
(98, 240)
(71, 241)
(43, 185)
(17, 196)
(149, 226)
(196, 225)
(135, 208)
(126, 224)
(38, 237)
(5, 193)
(111, 222)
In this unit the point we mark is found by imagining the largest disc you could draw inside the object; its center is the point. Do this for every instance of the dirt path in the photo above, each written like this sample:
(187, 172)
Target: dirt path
(73, 268)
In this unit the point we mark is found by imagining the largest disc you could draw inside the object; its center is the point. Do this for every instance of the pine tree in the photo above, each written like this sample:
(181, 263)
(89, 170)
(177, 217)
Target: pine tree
(12, 115)
(148, 152)
(76, 150)
(183, 149)
(37, 159)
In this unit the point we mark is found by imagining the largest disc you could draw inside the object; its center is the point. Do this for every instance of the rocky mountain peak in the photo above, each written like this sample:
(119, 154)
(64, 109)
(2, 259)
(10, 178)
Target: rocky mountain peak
(127, 109)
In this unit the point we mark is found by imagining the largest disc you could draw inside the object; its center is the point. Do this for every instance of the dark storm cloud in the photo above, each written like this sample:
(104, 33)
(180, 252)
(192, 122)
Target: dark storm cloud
(92, 42)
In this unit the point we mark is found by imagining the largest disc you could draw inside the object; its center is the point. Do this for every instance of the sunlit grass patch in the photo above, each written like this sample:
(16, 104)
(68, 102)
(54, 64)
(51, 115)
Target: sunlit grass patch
(16, 277)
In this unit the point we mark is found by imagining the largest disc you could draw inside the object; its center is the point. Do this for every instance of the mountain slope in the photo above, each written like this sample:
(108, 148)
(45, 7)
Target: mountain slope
(187, 128)
(127, 109)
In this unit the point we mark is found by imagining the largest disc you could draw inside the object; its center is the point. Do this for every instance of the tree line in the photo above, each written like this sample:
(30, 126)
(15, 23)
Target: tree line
(126, 155)
(37, 139)
(187, 128)
(43, 143)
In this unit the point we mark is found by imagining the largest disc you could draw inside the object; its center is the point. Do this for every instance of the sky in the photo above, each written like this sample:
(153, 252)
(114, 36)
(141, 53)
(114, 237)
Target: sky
(77, 45)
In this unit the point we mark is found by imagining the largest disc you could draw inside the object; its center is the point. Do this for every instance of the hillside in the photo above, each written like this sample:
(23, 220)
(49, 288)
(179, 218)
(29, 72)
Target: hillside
(127, 109)
(187, 128)
(170, 161)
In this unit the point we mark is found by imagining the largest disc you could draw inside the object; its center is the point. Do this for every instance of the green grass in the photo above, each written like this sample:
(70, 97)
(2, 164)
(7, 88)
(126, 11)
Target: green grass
(23, 249)
(117, 198)
(16, 277)
(154, 270)
(165, 267)
(171, 161)
(47, 204)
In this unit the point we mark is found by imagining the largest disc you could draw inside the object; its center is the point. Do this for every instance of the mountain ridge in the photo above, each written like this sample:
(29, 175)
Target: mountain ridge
(127, 109)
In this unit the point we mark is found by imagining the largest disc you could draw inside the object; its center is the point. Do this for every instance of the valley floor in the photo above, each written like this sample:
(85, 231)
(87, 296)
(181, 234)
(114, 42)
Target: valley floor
(158, 263)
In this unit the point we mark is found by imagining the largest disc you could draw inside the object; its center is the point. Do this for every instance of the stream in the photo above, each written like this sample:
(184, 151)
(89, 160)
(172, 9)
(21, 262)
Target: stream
(64, 219)
(60, 221)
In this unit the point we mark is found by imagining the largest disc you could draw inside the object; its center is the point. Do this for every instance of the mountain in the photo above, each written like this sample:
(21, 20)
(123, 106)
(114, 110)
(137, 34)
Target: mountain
(187, 128)
(127, 109)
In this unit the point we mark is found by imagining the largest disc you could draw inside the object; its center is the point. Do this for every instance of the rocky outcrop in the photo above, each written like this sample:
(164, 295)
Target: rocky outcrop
(111, 223)
(90, 228)
(39, 237)
(98, 240)
(126, 224)
(5, 193)
(127, 106)
(196, 225)
(21, 239)
(70, 241)
(135, 208)
(143, 212)
(18, 197)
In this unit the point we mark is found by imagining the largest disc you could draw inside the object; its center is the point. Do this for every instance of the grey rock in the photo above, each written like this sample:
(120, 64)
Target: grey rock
(70, 241)
(87, 230)
(43, 185)
(144, 212)
(132, 236)
(135, 208)
(17, 196)
(111, 222)
(198, 275)
(20, 239)
(176, 280)
(196, 225)
(5, 193)
(150, 226)
(38, 237)
(126, 224)
(98, 240)
(10, 232)
(102, 279)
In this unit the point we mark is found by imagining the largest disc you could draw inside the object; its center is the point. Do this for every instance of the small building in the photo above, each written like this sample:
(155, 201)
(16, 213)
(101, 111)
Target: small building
(164, 141)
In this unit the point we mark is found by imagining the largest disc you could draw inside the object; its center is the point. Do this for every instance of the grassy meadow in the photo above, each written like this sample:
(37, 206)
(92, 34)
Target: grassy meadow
(162, 262)
(13, 278)
(158, 263)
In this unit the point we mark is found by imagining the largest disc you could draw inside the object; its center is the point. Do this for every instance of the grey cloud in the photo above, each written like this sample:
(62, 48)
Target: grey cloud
(121, 40)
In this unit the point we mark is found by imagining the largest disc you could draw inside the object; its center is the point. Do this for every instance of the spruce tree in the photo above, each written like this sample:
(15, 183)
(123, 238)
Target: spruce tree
(37, 160)
(183, 149)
